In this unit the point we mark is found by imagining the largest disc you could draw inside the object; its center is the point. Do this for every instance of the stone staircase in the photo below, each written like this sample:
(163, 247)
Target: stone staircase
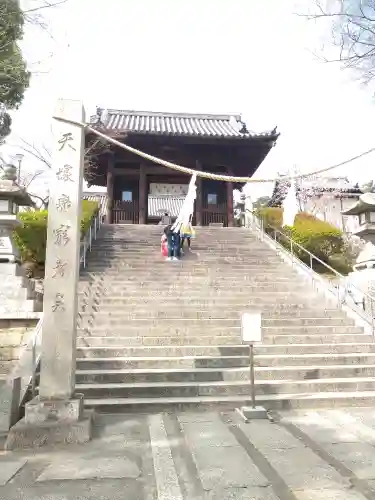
(156, 334)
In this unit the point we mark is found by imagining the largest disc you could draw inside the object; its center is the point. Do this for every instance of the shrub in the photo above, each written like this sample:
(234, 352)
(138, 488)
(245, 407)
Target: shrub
(318, 237)
(31, 236)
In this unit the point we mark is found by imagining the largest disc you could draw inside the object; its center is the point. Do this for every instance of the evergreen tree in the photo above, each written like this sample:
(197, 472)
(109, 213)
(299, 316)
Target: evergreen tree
(14, 76)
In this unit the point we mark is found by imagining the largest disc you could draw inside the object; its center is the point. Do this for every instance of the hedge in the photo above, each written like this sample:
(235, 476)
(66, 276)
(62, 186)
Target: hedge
(318, 237)
(31, 236)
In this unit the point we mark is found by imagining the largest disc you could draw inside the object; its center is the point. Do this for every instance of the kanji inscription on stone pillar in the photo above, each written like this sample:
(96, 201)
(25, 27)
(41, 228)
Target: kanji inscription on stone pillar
(63, 255)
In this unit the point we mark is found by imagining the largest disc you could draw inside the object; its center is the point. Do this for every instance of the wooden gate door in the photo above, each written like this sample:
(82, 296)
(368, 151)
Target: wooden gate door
(214, 203)
(126, 201)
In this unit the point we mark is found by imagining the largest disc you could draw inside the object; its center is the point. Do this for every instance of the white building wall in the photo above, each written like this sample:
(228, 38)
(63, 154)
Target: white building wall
(329, 209)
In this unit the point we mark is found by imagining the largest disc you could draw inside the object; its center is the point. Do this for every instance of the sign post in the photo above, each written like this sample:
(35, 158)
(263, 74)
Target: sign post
(251, 331)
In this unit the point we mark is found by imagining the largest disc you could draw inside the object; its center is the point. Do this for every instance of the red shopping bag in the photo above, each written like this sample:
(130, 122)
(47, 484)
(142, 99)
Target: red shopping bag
(164, 249)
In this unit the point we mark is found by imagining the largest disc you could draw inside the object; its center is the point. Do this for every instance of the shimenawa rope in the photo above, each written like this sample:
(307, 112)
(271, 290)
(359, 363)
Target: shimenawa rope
(207, 175)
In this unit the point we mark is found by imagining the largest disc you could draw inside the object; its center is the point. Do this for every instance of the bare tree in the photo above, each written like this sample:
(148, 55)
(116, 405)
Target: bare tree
(352, 32)
(43, 154)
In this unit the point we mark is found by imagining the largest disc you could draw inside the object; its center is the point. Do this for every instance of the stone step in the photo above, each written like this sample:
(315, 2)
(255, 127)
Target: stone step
(16, 306)
(182, 325)
(316, 349)
(269, 401)
(238, 289)
(222, 374)
(269, 326)
(13, 337)
(177, 297)
(197, 266)
(303, 313)
(187, 260)
(195, 289)
(251, 280)
(16, 293)
(283, 337)
(223, 388)
(163, 362)
(303, 361)
(292, 322)
(10, 352)
(110, 317)
(173, 271)
(180, 267)
(219, 348)
(180, 294)
(310, 372)
(360, 358)
(178, 308)
(274, 344)
(153, 252)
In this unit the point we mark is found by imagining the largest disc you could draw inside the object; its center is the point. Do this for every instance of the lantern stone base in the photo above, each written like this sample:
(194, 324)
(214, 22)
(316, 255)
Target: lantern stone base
(17, 295)
(8, 250)
(51, 422)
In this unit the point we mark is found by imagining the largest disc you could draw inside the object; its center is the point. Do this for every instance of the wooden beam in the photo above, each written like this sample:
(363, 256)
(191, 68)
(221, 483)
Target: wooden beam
(148, 170)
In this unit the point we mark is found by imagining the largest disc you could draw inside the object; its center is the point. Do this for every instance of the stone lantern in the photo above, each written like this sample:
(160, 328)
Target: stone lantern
(363, 276)
(17, 297)
(11, 196)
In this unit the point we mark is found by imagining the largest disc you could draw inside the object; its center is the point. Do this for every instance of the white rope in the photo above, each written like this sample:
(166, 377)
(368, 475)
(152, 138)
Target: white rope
(208, 175)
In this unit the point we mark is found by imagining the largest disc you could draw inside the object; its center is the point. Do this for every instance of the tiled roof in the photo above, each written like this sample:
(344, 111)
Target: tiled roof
(172, 124)
(159, 204)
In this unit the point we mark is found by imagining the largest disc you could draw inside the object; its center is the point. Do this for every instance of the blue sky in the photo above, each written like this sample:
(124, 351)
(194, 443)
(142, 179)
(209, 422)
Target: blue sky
(253, 57)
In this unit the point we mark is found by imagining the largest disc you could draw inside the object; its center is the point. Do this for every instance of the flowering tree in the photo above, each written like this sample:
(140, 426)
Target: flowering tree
(315, 196)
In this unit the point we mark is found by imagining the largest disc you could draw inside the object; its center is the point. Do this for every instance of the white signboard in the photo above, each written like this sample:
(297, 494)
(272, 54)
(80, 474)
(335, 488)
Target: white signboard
(251, 327)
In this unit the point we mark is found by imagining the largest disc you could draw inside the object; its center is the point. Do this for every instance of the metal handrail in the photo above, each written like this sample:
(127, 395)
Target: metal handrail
(86, 245)
(369, 316)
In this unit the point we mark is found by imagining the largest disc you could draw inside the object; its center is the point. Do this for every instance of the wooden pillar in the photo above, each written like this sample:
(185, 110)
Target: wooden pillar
(143, 201)
(199, 199)
(110, 188)
(230, 201)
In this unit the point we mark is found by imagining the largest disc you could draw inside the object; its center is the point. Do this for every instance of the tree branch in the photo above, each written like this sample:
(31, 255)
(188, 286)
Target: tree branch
(353, 32)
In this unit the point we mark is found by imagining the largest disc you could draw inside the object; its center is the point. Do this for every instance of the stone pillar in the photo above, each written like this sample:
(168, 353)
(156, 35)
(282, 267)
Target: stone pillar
(143, 201)
(199, 199)
(56, 415)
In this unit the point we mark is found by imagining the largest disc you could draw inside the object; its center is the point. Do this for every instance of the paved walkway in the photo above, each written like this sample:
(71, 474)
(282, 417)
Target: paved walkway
(322, 455)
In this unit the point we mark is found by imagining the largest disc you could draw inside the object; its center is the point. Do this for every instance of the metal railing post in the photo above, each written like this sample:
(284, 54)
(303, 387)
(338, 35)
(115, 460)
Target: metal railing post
(291, 251)
(368, 299)
(84, 252)
(33, 369)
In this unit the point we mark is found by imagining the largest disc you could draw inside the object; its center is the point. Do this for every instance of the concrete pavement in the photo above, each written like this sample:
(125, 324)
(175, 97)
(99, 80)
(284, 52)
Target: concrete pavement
(309, 455)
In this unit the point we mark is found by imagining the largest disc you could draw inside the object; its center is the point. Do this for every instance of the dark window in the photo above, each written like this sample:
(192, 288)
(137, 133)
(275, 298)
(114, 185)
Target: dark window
(212, 199)
(127, 196)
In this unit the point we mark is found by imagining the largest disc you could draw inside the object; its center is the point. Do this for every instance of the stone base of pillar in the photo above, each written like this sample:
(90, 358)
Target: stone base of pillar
(51, 422)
